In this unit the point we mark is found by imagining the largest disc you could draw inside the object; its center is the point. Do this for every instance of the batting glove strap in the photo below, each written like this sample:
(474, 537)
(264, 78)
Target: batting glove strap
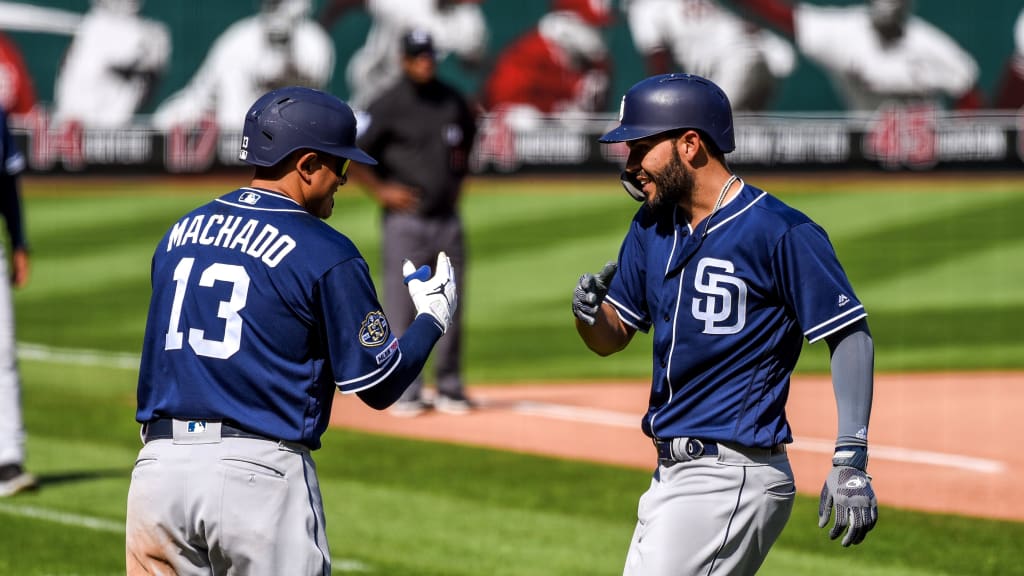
(590, 292)
(433, 295)
(848, 492)
(853, 456)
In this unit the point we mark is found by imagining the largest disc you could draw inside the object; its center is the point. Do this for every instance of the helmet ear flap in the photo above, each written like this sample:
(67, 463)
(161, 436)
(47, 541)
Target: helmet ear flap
(631, 184)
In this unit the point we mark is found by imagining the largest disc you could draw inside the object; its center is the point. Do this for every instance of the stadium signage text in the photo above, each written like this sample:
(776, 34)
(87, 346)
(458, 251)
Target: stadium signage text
(894, 138)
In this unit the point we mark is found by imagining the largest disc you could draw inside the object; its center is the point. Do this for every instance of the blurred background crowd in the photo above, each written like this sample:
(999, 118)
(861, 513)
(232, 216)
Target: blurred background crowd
(189, 69)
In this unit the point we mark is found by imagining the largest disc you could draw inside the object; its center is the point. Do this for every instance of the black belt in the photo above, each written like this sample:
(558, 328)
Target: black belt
(163, 429)
(694, 448)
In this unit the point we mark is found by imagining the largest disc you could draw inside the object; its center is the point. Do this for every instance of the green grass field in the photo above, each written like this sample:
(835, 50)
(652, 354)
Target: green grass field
(938, 265)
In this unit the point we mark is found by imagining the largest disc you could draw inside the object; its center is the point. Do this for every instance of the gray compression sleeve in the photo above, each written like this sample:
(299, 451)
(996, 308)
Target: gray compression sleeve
(853, 362)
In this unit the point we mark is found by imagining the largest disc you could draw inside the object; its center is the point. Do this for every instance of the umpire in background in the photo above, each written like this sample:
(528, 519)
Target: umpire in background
(421, 130)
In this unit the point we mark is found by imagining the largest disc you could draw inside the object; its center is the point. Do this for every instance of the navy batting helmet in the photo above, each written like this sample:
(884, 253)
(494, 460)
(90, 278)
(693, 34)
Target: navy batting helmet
(675, 101)
(289, 119)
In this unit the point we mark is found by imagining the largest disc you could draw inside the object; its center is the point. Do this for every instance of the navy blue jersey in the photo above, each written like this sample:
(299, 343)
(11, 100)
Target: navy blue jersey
(259, 311)
(730, 310)
(12, 163)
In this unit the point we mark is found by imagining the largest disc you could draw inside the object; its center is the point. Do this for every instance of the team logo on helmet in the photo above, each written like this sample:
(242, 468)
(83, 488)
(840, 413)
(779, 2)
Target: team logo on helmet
(374, 329)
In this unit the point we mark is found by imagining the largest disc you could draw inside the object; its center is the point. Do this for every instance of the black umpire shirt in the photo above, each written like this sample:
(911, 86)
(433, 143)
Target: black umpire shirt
(421, 136)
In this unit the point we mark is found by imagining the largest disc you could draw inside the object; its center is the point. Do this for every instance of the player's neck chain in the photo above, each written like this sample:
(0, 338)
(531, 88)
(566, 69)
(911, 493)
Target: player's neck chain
(718, 203)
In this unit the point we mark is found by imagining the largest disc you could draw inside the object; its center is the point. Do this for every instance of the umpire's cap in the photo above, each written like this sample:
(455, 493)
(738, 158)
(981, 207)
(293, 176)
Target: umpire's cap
(417, 42)
(673, 101)
(289, 119)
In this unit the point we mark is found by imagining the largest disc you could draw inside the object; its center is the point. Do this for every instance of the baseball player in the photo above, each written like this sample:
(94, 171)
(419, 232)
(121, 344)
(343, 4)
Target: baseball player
(13, 477)
(701, 37)
(560, 66)
(877, 52)
(260, 310)
(17, 94)
(111, 66)
(279, 46)
(457, 27)
(731, 280)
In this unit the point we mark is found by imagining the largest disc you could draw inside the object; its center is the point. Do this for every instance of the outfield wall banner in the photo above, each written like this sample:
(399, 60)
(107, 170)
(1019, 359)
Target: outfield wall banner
(892, 139)
(126, 85)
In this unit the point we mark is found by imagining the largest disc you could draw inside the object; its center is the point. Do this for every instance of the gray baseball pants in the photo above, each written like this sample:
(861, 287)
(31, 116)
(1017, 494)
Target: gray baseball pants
(712, 515)
(199, 505)
(419, 239)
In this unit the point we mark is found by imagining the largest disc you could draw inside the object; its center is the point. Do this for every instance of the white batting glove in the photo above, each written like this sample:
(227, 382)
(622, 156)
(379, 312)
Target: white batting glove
(433, 295)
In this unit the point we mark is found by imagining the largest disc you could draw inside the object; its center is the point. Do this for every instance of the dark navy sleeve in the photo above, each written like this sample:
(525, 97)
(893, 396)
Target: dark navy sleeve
(628, 290)
(12, 162)
(362, 349)
(813, 283)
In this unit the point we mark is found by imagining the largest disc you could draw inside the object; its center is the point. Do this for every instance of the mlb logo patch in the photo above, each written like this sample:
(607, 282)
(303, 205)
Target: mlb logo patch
(196, 426)
(250, 198)
(388, 352)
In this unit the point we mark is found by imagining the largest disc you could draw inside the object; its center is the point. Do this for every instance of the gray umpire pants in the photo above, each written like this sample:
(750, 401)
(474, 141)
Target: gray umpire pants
(419, 239)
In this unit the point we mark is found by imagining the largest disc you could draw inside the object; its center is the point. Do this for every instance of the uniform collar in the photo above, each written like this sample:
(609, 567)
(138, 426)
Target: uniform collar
(690, 242)
(260, 199)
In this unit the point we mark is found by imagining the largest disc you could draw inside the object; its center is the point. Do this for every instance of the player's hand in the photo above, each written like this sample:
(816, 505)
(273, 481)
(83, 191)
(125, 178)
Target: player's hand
(19, 267)
(397, 197)
(848, 491)
(433, 295)
(590, 292)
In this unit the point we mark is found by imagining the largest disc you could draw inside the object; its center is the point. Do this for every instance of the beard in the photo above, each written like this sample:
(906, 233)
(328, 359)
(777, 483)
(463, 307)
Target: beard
(672, 184)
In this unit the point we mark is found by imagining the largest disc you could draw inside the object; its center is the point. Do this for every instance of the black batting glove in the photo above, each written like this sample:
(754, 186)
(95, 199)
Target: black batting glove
(848, 490)
(590, 292)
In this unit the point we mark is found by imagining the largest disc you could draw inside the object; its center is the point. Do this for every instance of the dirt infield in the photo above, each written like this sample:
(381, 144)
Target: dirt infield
(939, 442)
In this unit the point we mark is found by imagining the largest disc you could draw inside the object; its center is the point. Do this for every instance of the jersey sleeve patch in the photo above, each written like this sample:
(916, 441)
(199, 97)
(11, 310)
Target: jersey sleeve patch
(388, 352)
(374, 330)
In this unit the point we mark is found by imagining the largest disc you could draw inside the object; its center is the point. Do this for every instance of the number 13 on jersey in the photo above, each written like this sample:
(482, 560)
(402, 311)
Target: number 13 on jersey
(227, 309)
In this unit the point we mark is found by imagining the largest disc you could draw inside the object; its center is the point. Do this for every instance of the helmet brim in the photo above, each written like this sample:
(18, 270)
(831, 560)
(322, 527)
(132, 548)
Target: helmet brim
(354, 154)
(628, 133)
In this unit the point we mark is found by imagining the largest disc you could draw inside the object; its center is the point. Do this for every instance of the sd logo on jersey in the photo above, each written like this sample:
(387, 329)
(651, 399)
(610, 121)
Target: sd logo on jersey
(374, 329)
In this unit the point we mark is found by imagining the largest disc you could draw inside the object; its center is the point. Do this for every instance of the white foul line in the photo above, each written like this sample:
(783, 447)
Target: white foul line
(817, 445)
(68, 519)
(43, 353)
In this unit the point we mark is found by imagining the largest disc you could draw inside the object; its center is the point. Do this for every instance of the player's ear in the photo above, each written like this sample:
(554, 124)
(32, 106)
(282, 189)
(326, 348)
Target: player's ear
(307, 163)
(689, 145)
